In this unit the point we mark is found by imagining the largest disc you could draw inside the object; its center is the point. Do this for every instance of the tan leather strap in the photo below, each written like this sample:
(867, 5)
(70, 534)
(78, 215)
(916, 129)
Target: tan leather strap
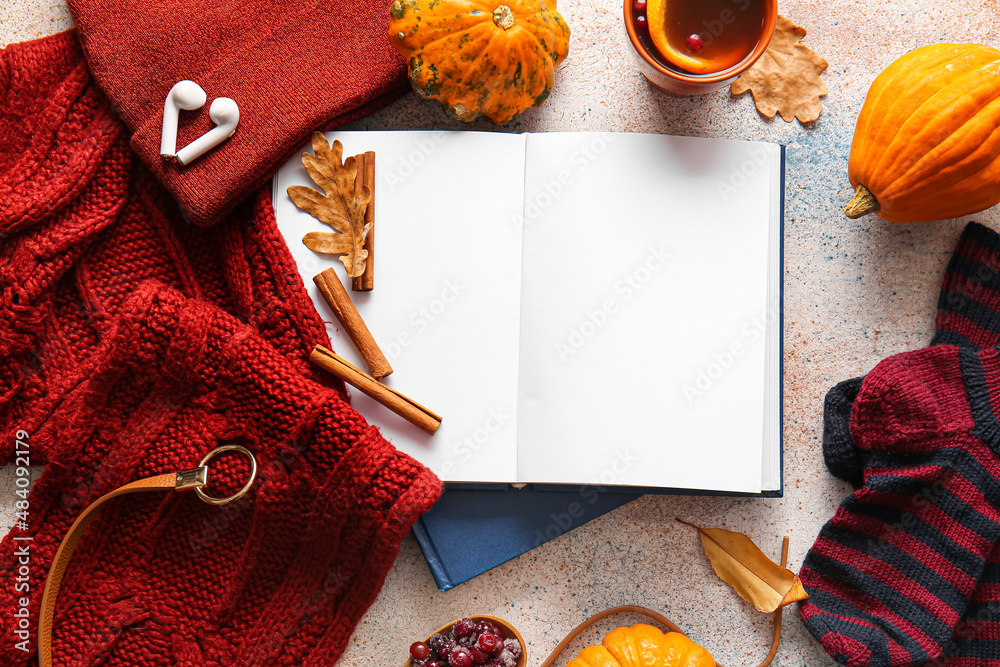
(65, 553)
(667, 623)
(180, 481)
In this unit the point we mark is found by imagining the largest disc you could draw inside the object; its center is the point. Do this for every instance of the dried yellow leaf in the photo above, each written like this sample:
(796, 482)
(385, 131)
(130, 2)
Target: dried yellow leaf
(786, 78)
(758, 579)
(339, 206)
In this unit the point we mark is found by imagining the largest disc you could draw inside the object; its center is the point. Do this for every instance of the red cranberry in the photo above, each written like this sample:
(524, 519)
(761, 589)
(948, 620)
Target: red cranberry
(447, 647)
(487, 642)
(464, 628)
(460, 657)
(419, 651)
(513, 646)
(479, 657)
(641, 24)
(639, 6)
(434, 663)
(694, 43)
(436, 640)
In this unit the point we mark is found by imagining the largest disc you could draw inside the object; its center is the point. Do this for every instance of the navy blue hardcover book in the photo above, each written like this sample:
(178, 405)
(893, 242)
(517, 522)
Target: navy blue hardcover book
(470, 531)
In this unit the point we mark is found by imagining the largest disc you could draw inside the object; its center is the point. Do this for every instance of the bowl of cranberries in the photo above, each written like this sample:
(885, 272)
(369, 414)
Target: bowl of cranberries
(474, 641)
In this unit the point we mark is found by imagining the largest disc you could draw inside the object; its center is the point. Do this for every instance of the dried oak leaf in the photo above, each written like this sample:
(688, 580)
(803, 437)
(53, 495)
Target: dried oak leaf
(786, 78)
(338, 207)
(738, 562)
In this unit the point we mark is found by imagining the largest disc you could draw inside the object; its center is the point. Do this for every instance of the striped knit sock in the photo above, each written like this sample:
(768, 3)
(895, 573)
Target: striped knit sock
(969, 316)
(976, 639)
(906, 572)
(969, 305)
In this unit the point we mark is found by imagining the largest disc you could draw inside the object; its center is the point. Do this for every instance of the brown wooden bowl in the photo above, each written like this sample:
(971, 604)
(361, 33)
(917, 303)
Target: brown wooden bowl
(506, 629)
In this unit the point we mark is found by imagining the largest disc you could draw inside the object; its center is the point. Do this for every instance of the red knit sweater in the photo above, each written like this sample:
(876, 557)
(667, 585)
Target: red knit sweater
(131, 343)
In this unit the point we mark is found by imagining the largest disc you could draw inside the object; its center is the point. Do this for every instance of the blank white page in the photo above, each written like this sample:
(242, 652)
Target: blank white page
(447, 289)
(643, 310)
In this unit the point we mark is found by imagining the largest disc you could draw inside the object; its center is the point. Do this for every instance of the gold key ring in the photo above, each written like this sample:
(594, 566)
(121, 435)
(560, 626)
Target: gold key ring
(199, 477)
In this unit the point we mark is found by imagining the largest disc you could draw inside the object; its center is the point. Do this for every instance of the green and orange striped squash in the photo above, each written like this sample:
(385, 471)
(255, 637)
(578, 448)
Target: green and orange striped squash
(480, 58)
(927, 141)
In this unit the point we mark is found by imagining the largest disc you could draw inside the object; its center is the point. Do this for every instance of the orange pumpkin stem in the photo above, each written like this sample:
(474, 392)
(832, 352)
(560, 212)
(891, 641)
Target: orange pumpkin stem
(503, 17)
(862, 203)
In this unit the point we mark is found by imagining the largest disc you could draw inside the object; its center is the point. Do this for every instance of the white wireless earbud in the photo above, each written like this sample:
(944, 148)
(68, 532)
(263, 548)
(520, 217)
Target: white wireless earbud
(184, 95)
(225, 113)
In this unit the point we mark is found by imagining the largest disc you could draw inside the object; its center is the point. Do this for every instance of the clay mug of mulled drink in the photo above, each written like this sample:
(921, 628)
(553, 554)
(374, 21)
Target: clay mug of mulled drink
(692, 47)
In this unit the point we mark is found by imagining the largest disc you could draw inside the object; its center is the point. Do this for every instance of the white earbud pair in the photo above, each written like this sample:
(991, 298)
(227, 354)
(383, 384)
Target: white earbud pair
(188, 95)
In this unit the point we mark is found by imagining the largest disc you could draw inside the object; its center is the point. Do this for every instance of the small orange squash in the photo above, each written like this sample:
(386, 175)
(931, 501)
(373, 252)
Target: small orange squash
(643, 646)
(489, 58)
(927, 142)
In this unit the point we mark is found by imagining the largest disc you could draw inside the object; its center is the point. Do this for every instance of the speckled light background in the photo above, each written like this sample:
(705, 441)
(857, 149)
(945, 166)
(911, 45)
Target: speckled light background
(855, 292)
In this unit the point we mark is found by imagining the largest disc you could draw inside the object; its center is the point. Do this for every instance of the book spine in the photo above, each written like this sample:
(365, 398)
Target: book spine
(430, 552)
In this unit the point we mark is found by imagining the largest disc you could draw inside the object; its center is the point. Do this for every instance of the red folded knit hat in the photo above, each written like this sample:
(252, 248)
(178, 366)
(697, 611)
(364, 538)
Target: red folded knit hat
(131, 344)
(291, 66)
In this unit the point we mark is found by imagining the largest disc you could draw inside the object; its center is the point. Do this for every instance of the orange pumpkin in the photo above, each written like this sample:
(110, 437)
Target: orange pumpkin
(643, 646)
(927, 144)
(479, 57)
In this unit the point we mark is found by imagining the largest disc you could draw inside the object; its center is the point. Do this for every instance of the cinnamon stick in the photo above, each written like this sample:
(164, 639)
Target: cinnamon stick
(405, 407)
(366, 176)
(340, 302)
(359, 182)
